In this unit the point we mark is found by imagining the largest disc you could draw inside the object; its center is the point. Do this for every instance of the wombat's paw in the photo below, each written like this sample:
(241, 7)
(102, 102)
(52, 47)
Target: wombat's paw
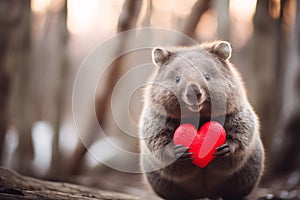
(223, 150)
(181, 152)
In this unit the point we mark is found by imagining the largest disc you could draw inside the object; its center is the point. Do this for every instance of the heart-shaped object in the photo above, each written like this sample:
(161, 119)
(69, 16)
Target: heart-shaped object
(202, 143)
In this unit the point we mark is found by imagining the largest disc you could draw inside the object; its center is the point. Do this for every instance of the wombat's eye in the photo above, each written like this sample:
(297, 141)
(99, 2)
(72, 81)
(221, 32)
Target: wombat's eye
(207, 77)
(177, 79)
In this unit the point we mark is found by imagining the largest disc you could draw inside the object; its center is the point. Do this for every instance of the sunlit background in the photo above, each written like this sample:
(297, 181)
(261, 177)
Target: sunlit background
(90, 22)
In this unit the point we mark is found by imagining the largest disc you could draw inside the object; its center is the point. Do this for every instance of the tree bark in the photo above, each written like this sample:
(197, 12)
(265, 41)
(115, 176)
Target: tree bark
(13, 186)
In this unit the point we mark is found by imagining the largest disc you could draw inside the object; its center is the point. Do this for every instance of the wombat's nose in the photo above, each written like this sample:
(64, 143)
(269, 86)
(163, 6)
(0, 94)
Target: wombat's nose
(193, 94)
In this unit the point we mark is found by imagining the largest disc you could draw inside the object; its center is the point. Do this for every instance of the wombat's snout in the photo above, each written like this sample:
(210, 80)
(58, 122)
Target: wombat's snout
(193, 94)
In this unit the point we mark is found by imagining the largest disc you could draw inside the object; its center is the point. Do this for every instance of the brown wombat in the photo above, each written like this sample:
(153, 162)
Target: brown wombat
(196, 85)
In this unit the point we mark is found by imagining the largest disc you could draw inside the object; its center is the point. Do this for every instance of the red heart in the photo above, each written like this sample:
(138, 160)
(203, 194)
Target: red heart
(202, 143)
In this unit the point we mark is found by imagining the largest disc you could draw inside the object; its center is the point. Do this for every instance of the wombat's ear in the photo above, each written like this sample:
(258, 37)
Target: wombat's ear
(161, 56)
(222, 49)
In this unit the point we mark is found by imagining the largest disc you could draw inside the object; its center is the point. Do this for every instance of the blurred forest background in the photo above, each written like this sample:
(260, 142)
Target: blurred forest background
(43, 43)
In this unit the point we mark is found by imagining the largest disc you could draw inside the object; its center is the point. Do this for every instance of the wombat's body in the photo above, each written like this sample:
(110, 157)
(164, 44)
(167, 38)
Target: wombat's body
(196, 85)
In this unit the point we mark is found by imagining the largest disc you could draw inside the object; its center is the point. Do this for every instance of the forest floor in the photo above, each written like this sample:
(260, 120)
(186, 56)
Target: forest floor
(113, 185)
(285, 187)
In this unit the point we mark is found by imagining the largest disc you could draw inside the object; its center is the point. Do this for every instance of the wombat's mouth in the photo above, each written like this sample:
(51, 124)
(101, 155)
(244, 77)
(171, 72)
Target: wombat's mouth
(195, 108)
(194, 102)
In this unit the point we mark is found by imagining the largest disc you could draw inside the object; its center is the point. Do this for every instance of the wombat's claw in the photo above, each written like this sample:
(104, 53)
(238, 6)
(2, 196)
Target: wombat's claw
(181, 152)
(181, 148)
(223, 146)
(222, 150)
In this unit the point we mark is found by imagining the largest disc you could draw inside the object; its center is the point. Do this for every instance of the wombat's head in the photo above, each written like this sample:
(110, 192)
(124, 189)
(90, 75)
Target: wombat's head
(196, 80)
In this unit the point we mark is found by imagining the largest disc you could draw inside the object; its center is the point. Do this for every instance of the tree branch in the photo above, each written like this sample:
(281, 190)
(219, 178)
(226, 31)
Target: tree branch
(14, 186)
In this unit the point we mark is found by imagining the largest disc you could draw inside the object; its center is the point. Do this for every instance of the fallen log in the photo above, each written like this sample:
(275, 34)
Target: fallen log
(14, 186)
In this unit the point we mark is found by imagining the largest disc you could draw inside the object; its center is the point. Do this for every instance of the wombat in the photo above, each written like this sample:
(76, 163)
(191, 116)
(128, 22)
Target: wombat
(196, 85)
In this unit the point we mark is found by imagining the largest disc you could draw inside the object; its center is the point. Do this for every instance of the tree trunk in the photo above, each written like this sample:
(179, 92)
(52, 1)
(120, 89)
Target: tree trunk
(127, 20)
(286, 138)
(56, 170)
(191, 22)
(22, 102)
(11, 32)
(222, 9)
(262, 70)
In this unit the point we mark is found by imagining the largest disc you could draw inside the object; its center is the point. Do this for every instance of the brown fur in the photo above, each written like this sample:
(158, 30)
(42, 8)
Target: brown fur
(222, 98)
